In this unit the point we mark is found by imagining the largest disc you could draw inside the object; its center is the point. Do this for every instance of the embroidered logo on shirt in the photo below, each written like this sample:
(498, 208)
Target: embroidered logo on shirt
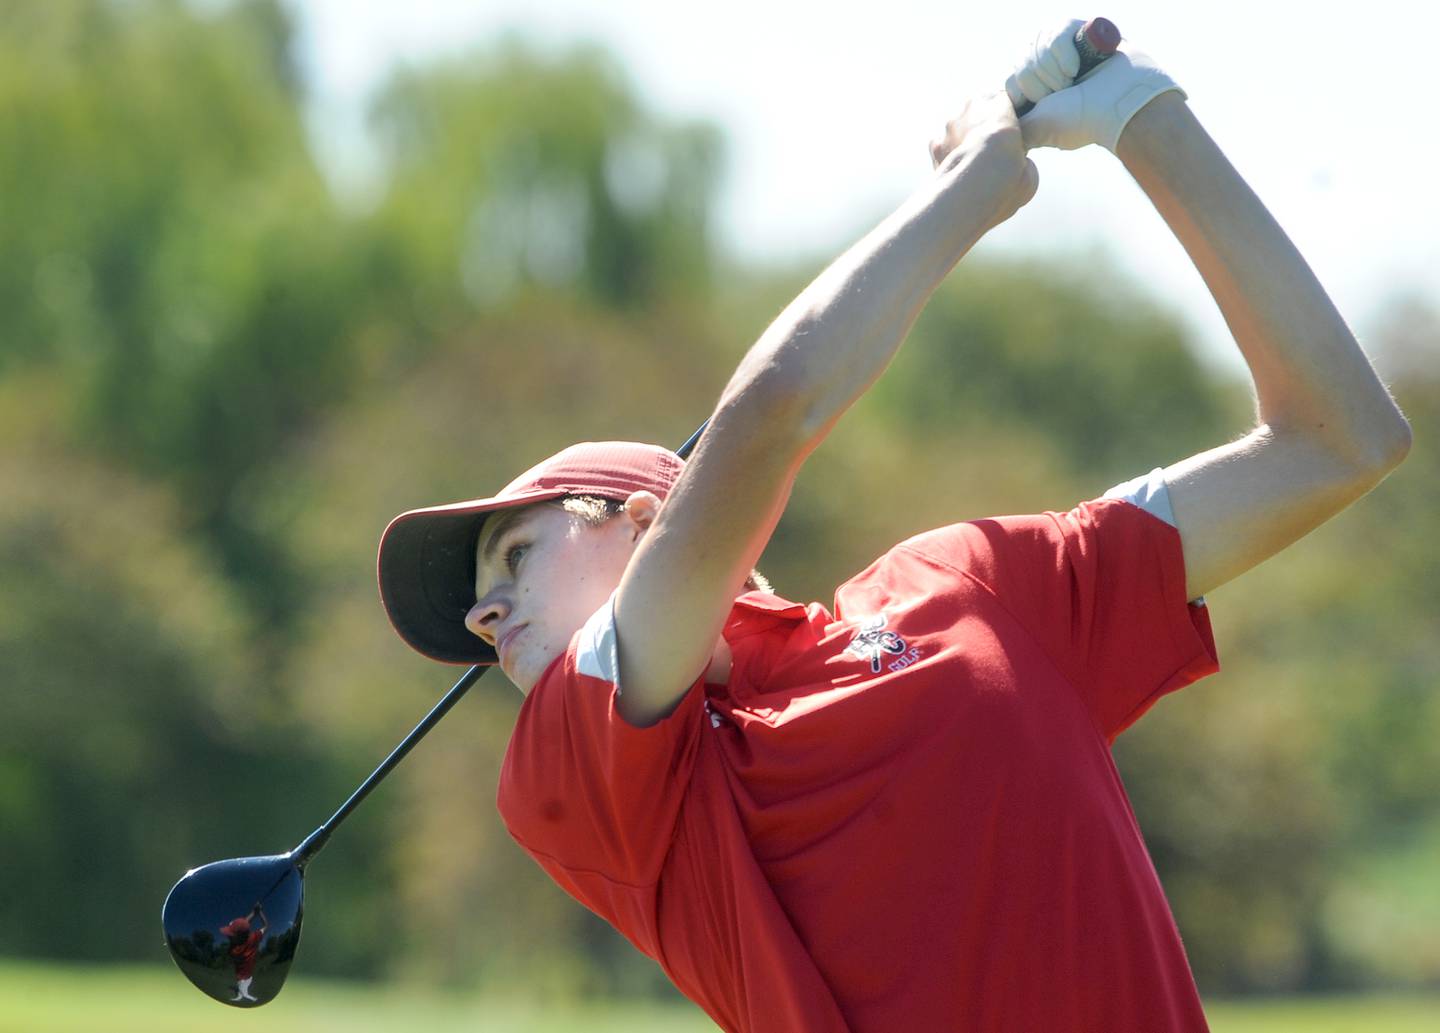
(872, 642)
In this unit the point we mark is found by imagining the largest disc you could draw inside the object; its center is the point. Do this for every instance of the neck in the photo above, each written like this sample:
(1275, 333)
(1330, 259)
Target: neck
(718, 673)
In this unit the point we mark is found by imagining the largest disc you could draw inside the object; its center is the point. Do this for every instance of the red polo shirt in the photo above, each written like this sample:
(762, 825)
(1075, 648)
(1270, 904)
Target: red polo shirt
(904, 815)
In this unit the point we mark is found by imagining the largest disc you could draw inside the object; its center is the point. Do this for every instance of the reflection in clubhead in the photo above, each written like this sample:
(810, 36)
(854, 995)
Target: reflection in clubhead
(233, 926)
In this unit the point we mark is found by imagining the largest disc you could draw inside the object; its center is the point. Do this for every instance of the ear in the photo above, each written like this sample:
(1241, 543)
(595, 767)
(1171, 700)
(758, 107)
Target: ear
(641, 509)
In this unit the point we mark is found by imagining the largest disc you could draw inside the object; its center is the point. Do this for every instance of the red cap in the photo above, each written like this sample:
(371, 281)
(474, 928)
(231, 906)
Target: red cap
(427, 556)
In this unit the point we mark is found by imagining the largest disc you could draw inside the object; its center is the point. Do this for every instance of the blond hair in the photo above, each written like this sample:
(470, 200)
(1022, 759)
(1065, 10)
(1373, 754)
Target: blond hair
(595, 511)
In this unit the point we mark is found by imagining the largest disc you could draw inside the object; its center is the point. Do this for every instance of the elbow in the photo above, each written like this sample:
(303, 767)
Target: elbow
(1360, 459)
(1388, 448)
(805, 418)
(1404, 437)
(799, 378)
(773, 410)
(1370, 457)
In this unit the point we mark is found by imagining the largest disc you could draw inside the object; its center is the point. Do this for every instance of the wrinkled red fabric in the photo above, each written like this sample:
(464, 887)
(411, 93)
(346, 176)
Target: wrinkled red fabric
(903, 815)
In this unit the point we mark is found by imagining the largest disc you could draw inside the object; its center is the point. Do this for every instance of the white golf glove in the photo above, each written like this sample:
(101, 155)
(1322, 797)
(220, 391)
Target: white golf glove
(1094, 110)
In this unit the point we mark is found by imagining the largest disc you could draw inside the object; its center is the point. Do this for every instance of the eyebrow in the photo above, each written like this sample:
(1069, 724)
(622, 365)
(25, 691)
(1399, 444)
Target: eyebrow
(502, 523)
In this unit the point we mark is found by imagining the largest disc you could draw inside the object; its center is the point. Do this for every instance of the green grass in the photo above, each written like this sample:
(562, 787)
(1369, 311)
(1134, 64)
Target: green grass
(1378, 1014)
(51, 998)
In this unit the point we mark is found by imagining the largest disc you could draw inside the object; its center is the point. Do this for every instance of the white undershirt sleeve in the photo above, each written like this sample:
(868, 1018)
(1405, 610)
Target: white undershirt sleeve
(1150, 493)
(597, 653)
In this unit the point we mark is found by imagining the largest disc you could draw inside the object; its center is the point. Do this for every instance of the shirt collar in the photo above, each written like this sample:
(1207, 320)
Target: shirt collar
(768, 602)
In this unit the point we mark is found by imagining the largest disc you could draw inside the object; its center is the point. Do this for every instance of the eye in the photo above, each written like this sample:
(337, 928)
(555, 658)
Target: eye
(513, 555)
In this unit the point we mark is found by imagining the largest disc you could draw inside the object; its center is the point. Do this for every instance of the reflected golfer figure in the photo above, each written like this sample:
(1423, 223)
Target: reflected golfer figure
(245, 948)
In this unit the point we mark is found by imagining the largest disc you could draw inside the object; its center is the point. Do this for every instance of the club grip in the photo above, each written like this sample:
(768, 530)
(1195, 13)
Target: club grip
(1096, 40)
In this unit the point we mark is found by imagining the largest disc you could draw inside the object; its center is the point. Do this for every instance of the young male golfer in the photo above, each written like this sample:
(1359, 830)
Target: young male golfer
(901, 814)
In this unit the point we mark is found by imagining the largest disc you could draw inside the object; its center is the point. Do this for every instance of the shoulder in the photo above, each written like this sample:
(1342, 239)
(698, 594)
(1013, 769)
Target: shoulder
(594, 651)
(1021, 548)
(1148, 493)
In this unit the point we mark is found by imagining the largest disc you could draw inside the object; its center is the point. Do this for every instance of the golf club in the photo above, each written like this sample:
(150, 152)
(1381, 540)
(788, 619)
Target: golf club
(233, 926)
(1096, 40)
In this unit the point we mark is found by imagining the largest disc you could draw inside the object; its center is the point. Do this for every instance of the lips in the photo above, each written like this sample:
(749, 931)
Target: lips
(504, 641)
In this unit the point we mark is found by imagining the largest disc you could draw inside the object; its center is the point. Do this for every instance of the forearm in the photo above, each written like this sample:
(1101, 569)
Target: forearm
(823, 351)
(814, 360)
(1310, 374)
(836, 338)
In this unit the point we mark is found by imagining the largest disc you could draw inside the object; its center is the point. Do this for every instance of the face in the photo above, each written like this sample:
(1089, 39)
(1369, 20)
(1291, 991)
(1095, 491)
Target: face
(539, 575)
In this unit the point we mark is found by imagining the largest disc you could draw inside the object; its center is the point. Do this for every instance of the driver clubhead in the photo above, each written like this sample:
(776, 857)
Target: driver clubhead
(233, 926)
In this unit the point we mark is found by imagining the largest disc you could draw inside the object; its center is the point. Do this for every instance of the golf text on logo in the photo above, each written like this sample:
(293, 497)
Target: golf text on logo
(872, 642)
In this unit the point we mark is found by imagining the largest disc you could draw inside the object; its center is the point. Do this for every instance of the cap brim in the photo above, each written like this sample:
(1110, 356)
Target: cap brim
(426, 569)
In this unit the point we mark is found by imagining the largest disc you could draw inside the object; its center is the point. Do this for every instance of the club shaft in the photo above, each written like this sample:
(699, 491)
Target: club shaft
(313, 842)
(684, 450)
(1095, 41)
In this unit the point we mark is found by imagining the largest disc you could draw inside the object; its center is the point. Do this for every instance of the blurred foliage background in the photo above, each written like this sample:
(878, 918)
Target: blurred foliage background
(217, 384)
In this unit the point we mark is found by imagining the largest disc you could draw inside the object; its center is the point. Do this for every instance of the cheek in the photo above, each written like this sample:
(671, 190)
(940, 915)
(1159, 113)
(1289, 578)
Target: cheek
(570, 586)
(588, 583)
(554, 591)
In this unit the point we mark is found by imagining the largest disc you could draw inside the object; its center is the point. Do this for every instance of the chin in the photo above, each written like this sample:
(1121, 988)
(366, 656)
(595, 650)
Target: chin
(528, 673)
(522, 679)
(535, 649)
(514, 681)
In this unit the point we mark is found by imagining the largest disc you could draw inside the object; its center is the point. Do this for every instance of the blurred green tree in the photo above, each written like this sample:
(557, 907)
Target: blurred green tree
(217, 385)
(521, 171)
(1290, 803)
(574, 372)
(173, 250)
(185, 305)
(133, 743)
(1107, 379)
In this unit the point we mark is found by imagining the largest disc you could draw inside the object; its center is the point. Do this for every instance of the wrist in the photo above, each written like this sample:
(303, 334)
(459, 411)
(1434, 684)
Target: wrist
(988, 186)
(1156, 129)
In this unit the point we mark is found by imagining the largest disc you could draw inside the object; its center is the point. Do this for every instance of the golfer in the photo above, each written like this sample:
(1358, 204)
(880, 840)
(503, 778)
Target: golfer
(244, 948)
(899, 813)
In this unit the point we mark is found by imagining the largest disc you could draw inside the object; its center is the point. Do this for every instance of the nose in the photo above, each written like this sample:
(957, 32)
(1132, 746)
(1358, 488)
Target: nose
(486, 615)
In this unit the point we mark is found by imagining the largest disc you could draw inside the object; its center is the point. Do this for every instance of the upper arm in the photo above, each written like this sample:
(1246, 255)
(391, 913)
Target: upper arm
(681, 583)
(1100, 590)
(1241, 503)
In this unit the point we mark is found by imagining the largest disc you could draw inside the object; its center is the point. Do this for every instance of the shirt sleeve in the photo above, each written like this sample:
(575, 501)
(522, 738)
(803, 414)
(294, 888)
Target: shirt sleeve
(1102, 590)
(583, 790)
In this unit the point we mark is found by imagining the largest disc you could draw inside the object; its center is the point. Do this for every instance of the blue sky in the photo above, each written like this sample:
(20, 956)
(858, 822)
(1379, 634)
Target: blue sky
(828, 109)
